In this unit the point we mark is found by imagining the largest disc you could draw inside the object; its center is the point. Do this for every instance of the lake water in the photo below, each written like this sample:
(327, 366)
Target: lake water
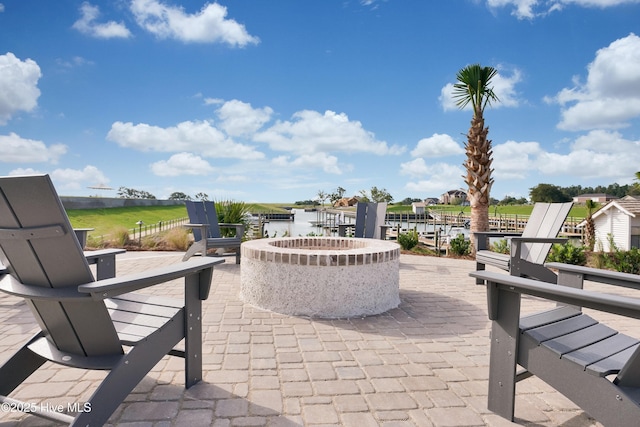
(304, 224)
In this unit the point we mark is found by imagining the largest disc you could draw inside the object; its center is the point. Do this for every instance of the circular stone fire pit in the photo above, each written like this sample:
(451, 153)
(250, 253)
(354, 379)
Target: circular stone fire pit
(327, 277)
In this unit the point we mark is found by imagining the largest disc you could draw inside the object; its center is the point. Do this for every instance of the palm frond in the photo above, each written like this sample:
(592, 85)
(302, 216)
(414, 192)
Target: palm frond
(474, 87)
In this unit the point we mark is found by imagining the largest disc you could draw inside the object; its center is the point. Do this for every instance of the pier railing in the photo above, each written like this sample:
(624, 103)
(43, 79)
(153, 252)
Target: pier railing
(446, 219)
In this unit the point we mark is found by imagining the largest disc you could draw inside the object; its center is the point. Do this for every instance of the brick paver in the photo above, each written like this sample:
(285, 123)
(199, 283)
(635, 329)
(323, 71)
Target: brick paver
(424, 363)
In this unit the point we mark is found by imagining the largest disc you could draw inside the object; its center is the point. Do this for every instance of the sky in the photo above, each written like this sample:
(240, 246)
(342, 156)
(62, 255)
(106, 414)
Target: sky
(276, 101)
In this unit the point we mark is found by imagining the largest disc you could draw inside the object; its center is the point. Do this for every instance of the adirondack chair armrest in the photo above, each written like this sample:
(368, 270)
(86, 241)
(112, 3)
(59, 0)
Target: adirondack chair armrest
(481, 238)
(624, 306)
(94, 256)
(342, 229)
(383, 231)
(520, 239)
(516, 243)
(202, 226)
(575, 275)
(239, 227)
(9, 285)
(108, 288)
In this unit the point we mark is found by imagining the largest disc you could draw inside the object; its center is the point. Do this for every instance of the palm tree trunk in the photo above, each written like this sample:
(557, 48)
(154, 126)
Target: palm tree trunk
(478, 166)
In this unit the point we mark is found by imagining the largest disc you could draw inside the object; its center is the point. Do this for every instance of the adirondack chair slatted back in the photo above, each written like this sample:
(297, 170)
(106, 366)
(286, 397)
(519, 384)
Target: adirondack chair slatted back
(545, 221)
(203, 213)
(212, 218)
(34, 258)
(369, 218)
(361, 217)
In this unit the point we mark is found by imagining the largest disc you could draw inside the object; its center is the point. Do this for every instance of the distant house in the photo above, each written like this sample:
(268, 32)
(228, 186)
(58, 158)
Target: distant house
(431, 201)
(418, 207)
(620, 219)
(452, 196)
(597, 197)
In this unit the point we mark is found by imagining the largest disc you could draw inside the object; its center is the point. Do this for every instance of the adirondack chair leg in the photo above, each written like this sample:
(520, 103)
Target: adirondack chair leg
(126, 375)
(106, 267)
(196, 247)
(480, 267)
(19, 367)
(504, 349)
(193, 331)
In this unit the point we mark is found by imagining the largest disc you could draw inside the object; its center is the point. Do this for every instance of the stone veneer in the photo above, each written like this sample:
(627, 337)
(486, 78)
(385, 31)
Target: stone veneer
(328, 277)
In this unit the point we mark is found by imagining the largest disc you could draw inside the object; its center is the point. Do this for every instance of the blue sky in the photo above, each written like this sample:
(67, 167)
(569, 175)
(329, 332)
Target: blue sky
(273, 101)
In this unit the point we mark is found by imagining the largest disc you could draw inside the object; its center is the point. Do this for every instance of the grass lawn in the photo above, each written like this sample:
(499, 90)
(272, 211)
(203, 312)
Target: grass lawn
(106, 220)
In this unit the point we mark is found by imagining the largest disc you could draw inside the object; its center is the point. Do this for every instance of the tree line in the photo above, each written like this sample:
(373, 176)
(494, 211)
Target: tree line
(553, 193)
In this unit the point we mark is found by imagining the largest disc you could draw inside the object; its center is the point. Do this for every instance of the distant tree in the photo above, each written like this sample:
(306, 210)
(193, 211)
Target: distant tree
(509, 200)
(307, 203)
(409, 200)
(337, 195)
(474, 87)
(202, 196)
(177, 195)
(548, 193)
(375, 195)
(132, 193)
(380, 195)
(322, 196)
(635, 189)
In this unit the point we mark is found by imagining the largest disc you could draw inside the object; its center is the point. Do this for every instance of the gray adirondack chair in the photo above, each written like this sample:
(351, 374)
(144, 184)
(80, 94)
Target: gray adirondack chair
(529, 250)
(203, 220)
(370, 218)
(569, 350)
(85, 323)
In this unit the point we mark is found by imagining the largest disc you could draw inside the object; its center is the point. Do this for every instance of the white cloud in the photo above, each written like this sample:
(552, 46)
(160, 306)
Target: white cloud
(311, 132)
(87, 25)
(18, 86)
(76, 61)
(197, 137)
(1, 7)
(326, 162)
(610, 97)
(15, 149)
(213, 101)
(74, 179)
(602, 154)
(598, 154)
(504, 86)
(514, 160)
(209, 25)
(529, 9)
(24, 172)
(240, 119)
(436, 178)
(437, 145)
(182, 164)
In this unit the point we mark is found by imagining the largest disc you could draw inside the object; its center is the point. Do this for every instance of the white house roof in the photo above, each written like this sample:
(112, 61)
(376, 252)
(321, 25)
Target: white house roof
(629, 207)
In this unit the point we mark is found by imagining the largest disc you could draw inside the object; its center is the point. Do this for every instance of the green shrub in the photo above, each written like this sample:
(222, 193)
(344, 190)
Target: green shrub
(96, 242)
(408, 241)
(119, 237)
(625, 261)
(460, 246)
(501, 246)
(232, 212)
(567, 254)
(177, 239)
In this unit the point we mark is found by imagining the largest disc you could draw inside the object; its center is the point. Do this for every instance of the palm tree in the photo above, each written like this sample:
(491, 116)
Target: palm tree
(590, 227)
(474, 87)
(635, 189)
